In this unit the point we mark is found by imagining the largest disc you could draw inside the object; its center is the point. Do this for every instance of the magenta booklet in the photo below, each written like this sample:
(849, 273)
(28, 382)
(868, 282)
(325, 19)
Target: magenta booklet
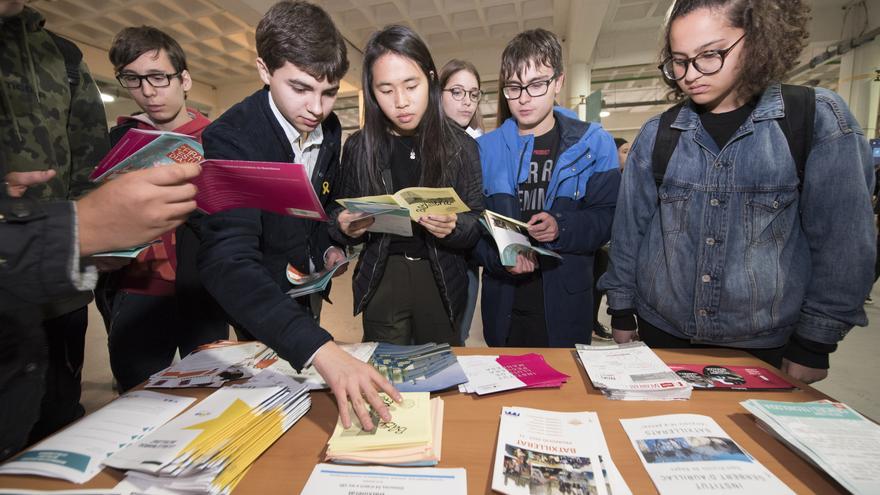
(717, 377)
(284, 188)
(532, 370)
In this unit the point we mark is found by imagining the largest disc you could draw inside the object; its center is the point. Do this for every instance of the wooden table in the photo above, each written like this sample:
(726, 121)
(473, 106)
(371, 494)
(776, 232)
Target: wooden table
(470, 429)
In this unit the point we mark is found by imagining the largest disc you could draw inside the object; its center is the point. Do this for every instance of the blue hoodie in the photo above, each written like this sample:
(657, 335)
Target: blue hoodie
(581, 196)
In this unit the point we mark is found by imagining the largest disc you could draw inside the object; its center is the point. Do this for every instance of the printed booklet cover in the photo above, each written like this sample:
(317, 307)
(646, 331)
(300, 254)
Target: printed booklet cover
(717, 377)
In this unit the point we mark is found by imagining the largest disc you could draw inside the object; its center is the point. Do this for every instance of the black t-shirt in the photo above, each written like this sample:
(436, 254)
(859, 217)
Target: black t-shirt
(406, 170)
(532, 192)
(722, 126)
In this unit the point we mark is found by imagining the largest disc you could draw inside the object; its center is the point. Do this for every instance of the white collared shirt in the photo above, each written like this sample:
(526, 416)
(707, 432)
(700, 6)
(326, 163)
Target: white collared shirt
(308, 153)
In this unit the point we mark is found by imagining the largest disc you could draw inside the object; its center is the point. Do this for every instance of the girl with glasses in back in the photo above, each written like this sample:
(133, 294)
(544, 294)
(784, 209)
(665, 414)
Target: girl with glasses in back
(410, 289)
(744, 218)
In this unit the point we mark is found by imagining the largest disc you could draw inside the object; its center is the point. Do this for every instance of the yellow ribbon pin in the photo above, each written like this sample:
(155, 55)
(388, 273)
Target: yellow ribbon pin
(325, 188)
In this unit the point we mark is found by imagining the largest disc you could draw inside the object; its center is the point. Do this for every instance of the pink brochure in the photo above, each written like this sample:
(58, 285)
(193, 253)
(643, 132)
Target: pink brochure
(532, 370)
(283, 188)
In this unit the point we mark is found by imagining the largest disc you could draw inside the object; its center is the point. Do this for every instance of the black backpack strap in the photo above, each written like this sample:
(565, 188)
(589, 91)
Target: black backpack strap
(800, 112)
(665, 142)
(72, 57)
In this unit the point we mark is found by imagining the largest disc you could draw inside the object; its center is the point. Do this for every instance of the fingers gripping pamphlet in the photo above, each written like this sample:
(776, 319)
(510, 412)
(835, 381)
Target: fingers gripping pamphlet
(394, 214)
(553, 452)
(689, 454)
(511, 237)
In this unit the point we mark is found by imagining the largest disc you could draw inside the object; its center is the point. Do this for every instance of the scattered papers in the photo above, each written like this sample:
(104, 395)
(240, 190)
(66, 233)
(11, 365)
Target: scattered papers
(489, 374)
(327, 479)
(314, 282)
(418, 368)
(690, 454)
(209, 448)
(75, 453)
(715, 377)
(553, 452)
(831, 435)
(412, 437)
(393, 214)
(511, 237)
(631, 372)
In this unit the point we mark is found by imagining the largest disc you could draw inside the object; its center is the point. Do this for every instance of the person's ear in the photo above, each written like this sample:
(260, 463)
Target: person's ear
(265, 74)
(185, 80)
(559, 81)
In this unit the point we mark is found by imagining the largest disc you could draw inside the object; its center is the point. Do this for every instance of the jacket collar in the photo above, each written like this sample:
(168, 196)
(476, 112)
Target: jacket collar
(769, 107)
(571, 130)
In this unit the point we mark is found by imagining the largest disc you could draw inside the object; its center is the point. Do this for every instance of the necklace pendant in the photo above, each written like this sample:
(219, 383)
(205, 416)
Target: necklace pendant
(412, 155)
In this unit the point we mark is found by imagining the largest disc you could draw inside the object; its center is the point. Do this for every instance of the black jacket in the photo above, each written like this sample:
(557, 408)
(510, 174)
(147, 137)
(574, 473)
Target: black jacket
(244, 253)
(447, 255)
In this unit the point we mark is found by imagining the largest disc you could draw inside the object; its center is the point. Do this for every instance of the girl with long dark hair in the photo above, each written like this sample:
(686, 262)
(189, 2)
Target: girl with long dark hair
(410, 289)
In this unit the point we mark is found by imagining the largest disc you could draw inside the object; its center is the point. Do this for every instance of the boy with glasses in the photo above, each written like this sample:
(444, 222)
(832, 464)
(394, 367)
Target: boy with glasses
(559, 175)
(155, 306)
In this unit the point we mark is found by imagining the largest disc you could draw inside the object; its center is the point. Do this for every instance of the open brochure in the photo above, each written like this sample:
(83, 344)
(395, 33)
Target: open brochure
(631, 371)
(141, 148)
(393, 214)
(511, 237)
(75, 453)
(553, 452)
(690, 454)
(831, 435)
(305, 284)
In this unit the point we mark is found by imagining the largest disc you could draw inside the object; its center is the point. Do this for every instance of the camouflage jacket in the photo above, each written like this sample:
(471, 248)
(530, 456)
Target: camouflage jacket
(44, 122)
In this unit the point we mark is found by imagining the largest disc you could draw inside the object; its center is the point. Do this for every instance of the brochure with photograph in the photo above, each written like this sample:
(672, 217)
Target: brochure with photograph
(543, 452)
(418, 368)
(141, 148)
(511, 237)
(717, 377)
(831, 435)
(393, 214)
(690, 454)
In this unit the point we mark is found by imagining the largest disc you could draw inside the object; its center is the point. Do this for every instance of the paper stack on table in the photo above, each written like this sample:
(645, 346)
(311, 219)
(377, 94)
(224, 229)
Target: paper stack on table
(631, 372)
(75, 453)
(489, 374)
(418, 368)
(412, 437)
(327, 479)
(209, 448)
(831, 435)
(689, 454)
(553, 452)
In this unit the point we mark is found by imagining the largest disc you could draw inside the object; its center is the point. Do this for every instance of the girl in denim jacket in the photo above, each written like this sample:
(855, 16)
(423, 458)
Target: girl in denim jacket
(733, 249)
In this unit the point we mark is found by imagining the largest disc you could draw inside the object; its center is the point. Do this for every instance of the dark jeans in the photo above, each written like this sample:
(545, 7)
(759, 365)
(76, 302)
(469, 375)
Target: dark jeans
(406, 307)
(655, 338)
(146, 331)
(528, 322)
(66, 339)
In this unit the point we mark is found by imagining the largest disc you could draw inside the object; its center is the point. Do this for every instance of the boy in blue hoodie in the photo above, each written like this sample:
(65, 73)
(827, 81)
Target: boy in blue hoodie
(559, 175)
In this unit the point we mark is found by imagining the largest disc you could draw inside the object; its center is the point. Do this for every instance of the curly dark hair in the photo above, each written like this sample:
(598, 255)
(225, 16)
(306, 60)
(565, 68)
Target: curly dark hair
(775, 34)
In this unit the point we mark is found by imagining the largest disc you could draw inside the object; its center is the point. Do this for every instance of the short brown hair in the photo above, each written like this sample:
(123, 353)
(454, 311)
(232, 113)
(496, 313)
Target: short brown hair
(534, 47)
(304, 35)
(132, 42)
(775, 34)
(453, 67)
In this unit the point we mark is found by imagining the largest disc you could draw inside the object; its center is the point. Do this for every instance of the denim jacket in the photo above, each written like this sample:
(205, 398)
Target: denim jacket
(735, 254)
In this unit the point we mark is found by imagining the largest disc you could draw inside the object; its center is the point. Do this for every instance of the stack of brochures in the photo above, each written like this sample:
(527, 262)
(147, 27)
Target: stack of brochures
(632, 372)
(212, 365)
(489, 374)
(418, 368)
(831, 435)
(690, 454)
(553, 452)
(717, 377)
(210, 447)
(511, 237)
(75, 453)
(412, 437)
(327, 479)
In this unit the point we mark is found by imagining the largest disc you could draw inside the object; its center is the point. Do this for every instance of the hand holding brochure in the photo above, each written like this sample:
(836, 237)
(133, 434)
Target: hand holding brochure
(313, 282)
(393, 213)
(831, 435)
(511, 237)
(140, 148)
(689, 454)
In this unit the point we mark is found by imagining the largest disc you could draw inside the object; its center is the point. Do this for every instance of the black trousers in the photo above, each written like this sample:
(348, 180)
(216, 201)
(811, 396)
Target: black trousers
(407, 308)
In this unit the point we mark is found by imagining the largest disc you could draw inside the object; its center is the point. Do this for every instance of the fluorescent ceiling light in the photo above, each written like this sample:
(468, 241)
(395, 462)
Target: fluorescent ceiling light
(604, 113)
(107, 98)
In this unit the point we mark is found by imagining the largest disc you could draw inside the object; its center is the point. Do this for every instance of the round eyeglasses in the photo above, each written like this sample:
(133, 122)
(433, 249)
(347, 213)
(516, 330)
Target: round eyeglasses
(459, 93)
(134, 81)
(706, 63)
(535, 89)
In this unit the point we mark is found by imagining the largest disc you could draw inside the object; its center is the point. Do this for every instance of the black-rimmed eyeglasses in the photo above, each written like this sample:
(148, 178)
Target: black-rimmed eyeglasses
(459, 93)
(707, 63)
(134, 81)
(535, 89)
